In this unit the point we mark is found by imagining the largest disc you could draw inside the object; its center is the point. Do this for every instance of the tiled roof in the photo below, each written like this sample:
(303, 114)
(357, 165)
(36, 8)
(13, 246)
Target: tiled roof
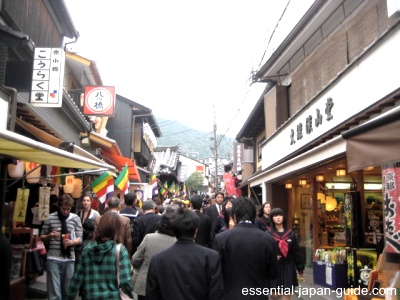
(166, 159)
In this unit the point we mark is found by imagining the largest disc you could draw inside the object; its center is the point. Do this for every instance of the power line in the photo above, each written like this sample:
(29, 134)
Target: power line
(249, 86)
(273, 32)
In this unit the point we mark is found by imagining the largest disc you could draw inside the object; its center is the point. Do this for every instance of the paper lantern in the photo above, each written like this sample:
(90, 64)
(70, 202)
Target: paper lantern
(16, 171)
(340, 172)
(321, 197)
(33, 172)
(302, 182)
(69, 184)
(77, 185)
(330, 203)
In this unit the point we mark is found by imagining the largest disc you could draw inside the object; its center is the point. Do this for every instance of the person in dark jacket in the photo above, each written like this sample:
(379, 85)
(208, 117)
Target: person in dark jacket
(213, 211)
(249, 255)
(225, 217)
(289, 255)
(186, 270)
(5, 274)
(263, 220)
(129, 210)
(145, 224)
(204, 230)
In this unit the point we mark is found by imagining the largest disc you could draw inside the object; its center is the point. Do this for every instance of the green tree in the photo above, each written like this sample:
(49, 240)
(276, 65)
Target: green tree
(195, 182)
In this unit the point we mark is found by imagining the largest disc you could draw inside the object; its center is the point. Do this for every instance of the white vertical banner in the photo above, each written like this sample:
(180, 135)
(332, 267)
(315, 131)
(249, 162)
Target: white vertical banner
(44, 203)
(47, 77)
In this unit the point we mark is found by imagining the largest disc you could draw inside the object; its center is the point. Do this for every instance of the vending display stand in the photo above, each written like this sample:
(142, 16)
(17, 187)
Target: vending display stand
(330, 275)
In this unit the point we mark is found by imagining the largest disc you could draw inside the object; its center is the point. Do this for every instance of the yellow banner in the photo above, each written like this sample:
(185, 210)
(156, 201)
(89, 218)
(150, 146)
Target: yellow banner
(21, 204)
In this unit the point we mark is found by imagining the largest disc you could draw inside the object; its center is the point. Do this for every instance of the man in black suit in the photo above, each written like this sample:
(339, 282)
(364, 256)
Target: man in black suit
(249, 255)
(185, 270)
(204, 230)
(213, 211)
(145, 224)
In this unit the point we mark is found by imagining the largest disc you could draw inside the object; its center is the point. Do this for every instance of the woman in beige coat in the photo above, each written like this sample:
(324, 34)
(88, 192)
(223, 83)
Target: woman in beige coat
(152, 244)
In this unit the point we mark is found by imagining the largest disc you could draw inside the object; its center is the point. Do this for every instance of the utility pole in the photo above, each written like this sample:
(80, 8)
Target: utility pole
(215, 154)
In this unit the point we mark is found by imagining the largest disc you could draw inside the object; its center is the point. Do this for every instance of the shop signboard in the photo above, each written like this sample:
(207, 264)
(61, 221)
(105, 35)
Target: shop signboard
(352, 207)
(238, 157)
(47, 78)
(21, 204)
(391, 196)
(99, 101)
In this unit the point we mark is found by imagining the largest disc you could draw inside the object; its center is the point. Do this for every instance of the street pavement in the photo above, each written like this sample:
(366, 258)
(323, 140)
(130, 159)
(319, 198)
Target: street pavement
(308, 290)
(37, 289)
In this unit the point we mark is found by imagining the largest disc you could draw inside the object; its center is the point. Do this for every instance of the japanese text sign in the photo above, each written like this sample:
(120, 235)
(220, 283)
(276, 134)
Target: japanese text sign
(21, 204)
(44, 203)
(47, 77)
(99, 101)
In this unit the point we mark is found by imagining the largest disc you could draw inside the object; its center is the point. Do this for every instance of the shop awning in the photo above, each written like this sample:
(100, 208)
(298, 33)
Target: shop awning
(54, 141)
(111, 153)
(375, 142)
(20, 147)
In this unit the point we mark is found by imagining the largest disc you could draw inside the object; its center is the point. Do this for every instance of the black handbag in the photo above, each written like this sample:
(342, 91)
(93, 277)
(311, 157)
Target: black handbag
(34, 264)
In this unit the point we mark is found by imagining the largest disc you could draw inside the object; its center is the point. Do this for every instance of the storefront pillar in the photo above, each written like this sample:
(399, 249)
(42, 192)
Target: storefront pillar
(266, 192)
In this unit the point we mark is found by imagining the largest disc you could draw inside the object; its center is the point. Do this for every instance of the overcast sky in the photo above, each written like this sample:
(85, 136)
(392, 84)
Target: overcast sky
(184, 58)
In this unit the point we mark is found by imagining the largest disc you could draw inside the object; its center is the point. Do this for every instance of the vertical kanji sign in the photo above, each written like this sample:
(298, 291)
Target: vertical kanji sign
(47, 77)
(99, 101)
(21, 204)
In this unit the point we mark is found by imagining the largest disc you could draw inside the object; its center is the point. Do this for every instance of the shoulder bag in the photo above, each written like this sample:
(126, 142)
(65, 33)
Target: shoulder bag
(122, 295)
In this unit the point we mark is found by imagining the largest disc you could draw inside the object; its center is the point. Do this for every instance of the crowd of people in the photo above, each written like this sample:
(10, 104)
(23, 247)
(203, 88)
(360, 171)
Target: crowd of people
(206, 248)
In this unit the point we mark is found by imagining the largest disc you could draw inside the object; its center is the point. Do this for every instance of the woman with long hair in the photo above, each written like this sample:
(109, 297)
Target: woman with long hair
(263, 217)
(88, 216)
(289, 256)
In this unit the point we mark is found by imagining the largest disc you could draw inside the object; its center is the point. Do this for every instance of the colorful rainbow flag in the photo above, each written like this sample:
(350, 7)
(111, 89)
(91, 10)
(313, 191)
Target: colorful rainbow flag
(184, 191)
(172, 188)
(103, 186)
(122, 181)
(153, 182)
(164, 189)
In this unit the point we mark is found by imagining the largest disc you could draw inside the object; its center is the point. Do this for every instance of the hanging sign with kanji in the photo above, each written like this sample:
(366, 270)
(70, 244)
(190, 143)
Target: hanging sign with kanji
(21, 204)
(99, 101)
(44, 203)
(47, 77)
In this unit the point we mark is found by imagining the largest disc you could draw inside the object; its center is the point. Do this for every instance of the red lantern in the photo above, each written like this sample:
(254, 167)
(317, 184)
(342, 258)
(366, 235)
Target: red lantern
(33, 172)
(69, 184)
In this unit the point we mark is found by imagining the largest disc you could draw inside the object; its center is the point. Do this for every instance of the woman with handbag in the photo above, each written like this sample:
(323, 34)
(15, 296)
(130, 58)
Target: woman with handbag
(98, 272)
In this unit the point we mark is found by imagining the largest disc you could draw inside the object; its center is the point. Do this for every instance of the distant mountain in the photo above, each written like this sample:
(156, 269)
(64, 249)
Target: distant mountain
(193, 143)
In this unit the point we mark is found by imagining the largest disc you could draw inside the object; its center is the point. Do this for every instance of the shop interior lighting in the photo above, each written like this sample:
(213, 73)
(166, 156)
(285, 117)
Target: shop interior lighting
(337, 186)
(302, 182)
(346, 186)
(288, 185)
(368, 168)
(330, 203)
(321, 197)
(340, 172)
(372, 186)
(319, 178)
